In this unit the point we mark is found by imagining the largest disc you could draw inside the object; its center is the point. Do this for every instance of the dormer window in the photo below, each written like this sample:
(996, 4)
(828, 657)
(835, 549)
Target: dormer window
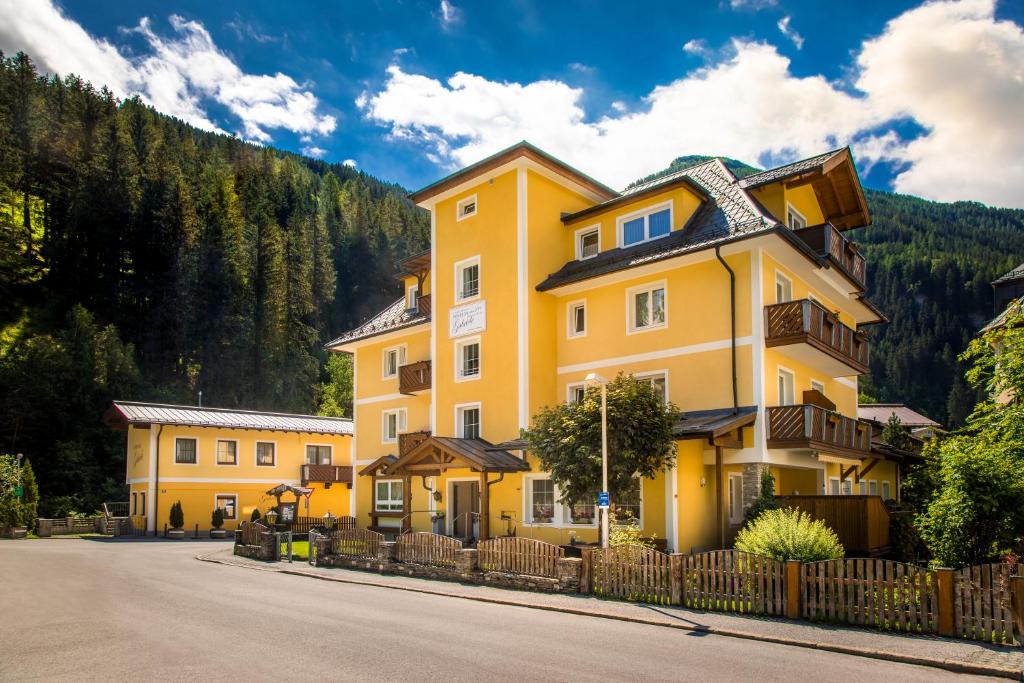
(465, 208)
(588, 242)
(794, 219)
(412, 298)
(647, 224)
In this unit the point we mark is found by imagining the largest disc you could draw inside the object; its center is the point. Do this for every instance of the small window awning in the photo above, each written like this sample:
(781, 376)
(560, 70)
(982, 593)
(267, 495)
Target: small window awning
(711, 424)
(435, 454)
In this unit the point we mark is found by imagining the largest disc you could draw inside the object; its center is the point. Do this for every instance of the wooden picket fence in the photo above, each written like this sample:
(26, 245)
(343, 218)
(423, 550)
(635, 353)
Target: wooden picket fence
(361, 543)
(422, 547)
(982, 603)
(868, 592)
(520, 556)
(734, 581)
(252, 533)
(632, 572)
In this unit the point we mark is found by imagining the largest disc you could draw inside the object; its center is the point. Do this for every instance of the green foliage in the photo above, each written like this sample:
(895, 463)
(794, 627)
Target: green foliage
(30, 496)
(905, 542)
(177, 516)
(789, 535)
(217, 519)
(765, 499)
(566, 439)
(336, 393)
(896, 435)
(624, 529)
(255, 516)
(16, 511)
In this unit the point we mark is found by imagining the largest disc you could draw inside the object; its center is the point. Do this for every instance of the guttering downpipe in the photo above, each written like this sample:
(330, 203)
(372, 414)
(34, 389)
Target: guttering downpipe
(156, 484)
(732, 320)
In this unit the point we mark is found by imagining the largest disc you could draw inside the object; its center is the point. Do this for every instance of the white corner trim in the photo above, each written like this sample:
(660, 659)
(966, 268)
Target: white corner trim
(435, 306)
(378, 399)
(523, 312)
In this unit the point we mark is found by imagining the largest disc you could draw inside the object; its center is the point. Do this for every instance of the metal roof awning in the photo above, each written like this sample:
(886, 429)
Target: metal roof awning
(711, 424)
(124, 413)
(435, 454)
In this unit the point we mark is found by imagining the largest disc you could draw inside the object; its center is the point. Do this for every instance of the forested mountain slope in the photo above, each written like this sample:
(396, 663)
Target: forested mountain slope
(143, 258)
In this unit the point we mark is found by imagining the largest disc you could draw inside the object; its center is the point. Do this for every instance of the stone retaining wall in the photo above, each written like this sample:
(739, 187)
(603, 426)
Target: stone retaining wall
(269, 549)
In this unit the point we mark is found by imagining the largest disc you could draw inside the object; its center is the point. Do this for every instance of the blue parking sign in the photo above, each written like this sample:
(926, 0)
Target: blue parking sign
(602, 499)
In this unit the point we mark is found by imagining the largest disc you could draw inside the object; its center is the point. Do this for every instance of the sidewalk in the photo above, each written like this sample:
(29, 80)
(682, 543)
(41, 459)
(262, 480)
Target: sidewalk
(954, 655)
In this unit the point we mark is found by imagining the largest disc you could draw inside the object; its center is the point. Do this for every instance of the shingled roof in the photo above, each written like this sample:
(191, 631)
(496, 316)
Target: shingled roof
(789, 170)
(394, 317)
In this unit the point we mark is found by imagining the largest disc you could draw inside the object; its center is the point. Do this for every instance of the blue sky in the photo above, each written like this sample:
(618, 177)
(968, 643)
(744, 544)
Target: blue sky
(928, 95)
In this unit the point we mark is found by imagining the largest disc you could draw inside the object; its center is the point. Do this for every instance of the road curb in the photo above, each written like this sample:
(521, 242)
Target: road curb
(953, 665)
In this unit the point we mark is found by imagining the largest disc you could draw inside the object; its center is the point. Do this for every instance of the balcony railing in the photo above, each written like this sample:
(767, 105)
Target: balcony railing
(409, 440)
(814, 427)
(830, 243)
(327, 474)
(414, 377)
(423, 305)
(808, 322)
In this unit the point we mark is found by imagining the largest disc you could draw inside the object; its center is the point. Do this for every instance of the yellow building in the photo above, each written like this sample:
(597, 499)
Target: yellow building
(740, 299)
(215, 457)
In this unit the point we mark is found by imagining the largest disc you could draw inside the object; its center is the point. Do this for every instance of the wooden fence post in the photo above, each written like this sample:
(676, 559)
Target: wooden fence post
(1017, 601)
(944, 588)
(587, 571)
(793, 589)
(675, 568)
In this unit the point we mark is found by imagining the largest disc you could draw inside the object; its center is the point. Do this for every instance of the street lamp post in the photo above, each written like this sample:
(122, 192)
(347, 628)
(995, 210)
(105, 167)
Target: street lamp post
(596, 379)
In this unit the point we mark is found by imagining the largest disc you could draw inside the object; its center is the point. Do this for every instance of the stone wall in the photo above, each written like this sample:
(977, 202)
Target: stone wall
(752, 482)
(269, 549)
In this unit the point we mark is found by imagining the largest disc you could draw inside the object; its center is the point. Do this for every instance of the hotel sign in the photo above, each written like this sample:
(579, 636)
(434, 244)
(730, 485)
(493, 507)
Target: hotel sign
(467, 319)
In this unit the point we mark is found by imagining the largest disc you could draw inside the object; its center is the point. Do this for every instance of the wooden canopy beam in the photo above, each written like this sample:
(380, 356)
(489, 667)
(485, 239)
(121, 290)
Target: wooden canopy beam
(871, 464)
(732, 439)
(845, 474)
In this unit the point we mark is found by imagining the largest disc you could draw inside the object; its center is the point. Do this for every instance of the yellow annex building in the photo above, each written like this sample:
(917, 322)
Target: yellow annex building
(740, 299)
(214, 457)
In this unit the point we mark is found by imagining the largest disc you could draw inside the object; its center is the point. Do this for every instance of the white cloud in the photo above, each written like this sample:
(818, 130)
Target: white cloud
(449, 14)
(582, 68)
(695, 46)
(313, 151)
(951, 67)
(179, 74)
(351, 163)
(620, 106)
(754, 5)
(790, 32)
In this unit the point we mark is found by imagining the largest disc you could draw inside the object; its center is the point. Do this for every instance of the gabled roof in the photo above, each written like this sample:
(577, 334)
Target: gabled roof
(394, 317)
(449, 452)
(123, 413)
(788, 170)
(1015, 274)
(881, 412)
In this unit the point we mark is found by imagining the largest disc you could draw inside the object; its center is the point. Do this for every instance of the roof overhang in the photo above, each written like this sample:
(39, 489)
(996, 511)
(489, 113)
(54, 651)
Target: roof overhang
(711, 424)
(377, 337)
(435, 454)
(684, 181)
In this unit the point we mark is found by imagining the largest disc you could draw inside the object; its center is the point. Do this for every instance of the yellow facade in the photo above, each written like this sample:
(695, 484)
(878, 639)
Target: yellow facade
(517, 234)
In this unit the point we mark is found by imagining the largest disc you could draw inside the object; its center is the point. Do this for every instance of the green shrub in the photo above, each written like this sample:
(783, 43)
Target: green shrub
(789, 535)
(765, 499)
(624, 529)
(177, 517)
(217, 520)
(255, 516)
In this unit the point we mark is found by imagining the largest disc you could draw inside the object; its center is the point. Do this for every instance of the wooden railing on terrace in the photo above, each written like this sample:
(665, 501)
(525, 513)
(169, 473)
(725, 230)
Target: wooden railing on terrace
(810, 426)
(860, 522)
(328, 474)
(807, 321)
(423, 305)
(414, 377)
(829, 242)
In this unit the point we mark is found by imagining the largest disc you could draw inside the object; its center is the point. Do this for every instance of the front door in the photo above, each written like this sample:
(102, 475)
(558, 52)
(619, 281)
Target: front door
(735, 499)
(465, 500)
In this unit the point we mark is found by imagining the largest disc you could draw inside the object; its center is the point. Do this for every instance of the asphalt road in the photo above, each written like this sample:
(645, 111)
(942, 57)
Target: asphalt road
(77, 609)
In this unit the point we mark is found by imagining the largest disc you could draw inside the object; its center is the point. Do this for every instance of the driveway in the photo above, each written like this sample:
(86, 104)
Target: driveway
(78, 609)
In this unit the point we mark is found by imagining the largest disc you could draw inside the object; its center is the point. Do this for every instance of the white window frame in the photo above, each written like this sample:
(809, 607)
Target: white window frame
(401, 417)
(838, 487)
(583, 232)
(459, 346)
(570, 319)
(650, 374)
(886, 491)
(570, 390)
(462, 203)
(843, 485)
(872, 484)
(561, 513)
(818, 385)
(785, 401)
(784, 281)
(645, 212)
(412, 297)
(461, 266)
(650, 288)
(186, 438)
(218, 496)
(862, 487)
(390, 499)
(330, 451)
(460, 424)
(400, 355)
(216, 453)
(791, 211)
(256, 453)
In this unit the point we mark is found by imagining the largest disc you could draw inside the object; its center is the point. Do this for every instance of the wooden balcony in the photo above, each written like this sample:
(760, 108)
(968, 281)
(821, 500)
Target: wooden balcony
(327, 474)
(819, 429)
(423, 305)
(409, 440)
(843, 254)
(811, 334)
(414, 377)
(860, 522)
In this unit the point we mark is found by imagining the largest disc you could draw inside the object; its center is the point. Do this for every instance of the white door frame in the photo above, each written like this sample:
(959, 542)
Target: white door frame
(738, 477)
(449, 508)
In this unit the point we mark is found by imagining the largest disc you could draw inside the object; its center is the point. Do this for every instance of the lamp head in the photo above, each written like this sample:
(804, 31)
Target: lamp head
(595, 379)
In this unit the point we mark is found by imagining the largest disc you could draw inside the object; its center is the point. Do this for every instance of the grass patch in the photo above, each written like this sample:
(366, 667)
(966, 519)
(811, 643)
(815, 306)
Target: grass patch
(300, 550)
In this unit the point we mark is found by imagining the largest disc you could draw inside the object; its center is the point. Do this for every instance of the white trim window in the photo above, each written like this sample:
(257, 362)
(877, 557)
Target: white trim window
(818, 385)
(658, 380)
(392, 358)
(873, 487)
(847, 487)
(467, 359)
(783, 288)
(794, 219)
(787, 382)
(833, 486)
(228, 502)
(392, 424)
(644, 225)
(389, 495)
(266, 454)
(465, 208)
(575, 393)
(186, 451)
(886, 490)
(647, 307)
(412, 298)
(541, 501)
(862, 488)
(467, 279)
(588, 242)
(319, 454)
(467, 420)
(227, 452)
(576, 319)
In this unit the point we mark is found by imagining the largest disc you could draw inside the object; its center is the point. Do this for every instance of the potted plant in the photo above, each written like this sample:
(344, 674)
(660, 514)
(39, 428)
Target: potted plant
(217, 521)
(177, 520)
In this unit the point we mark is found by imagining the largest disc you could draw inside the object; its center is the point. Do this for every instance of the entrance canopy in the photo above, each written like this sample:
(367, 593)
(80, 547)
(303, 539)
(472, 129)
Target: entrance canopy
(435, 454)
